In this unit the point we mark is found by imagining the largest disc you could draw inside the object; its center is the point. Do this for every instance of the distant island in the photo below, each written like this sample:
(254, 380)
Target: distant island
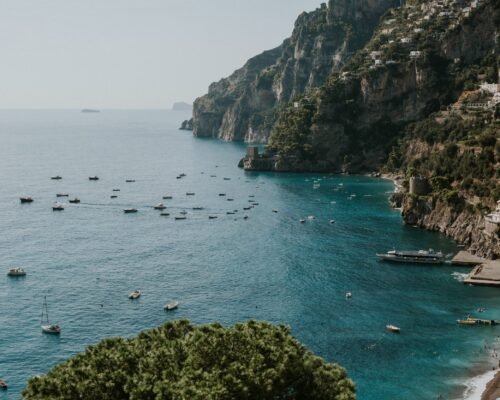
(182, 106)
(89, 110)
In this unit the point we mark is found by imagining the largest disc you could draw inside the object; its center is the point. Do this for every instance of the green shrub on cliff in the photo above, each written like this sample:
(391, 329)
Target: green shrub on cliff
(252, 360)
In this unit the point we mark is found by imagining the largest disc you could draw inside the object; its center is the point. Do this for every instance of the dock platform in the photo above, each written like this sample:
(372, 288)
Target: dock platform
(467, 259)
(485, 274)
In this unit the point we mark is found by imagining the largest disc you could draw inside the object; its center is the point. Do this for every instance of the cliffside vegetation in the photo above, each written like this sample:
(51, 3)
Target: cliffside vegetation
(253, 360)
(245, 105)
(420, 60)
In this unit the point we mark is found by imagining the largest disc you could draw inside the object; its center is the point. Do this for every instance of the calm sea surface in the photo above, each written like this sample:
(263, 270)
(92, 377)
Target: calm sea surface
(268, 267)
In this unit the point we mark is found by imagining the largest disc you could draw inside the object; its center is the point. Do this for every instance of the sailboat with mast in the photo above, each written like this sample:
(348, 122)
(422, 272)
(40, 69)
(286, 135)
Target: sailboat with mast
(47, 327)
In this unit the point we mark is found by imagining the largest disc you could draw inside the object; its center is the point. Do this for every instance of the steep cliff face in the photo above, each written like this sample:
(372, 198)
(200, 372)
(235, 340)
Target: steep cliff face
(467, 228)
(408, 70)
(244, 106)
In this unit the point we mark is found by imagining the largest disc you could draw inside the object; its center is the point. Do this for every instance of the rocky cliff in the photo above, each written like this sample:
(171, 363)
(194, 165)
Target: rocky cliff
(244, 106)
(465, 225)
(414, 65)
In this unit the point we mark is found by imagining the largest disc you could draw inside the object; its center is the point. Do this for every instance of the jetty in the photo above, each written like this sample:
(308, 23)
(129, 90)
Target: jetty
(467, 259)
(485, 274)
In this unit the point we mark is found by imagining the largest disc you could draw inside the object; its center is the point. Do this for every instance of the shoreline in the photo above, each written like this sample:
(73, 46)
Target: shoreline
(485, 386)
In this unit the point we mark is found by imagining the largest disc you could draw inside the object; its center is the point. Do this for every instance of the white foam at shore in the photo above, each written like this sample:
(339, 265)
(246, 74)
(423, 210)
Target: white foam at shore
(477, 385)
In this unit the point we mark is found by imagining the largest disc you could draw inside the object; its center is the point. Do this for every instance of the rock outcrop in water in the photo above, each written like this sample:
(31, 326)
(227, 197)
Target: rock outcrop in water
(187, 125)
(244, 106)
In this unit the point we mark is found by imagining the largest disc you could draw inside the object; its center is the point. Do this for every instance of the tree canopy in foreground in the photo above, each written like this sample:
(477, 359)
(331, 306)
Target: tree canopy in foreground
(252, 360)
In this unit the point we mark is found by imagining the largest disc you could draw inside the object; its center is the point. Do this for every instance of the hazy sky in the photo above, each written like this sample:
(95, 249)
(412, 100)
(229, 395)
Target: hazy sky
(131, 53)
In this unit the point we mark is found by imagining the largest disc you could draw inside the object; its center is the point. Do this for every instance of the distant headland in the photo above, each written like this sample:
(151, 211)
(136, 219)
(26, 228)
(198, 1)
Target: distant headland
(182, 106)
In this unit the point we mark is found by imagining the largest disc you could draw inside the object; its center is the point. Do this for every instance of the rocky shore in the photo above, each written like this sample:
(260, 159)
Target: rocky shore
(465, 227)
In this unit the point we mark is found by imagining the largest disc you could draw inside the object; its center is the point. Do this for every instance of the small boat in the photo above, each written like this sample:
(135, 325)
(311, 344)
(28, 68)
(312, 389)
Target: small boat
(165, 214)
(26, 199)
(245, 217)
(251, 195)
(212, 217)
(134, 295)
(302, 221)
(251, 201)
(16, 272)
(213, 176)
(332, 221)
(93, 178)
(222, 194)
(182, 175)
(477, 321)
(392, 328)
(62, 195)
(190, 194)
(255, 204)
(178, 177)
(129, 180)
(58, 207)
(171, 306)
(247, 208)
(160, 206)
(56, 178)
(197, 208)
(167, 197)
(275, 211)
(466, 322)
(230, 199)
(46, 326)
(348, 295)
(74, 201)
(116, 190)
(130, 210)
(113, 196)
(3, 385)
(311, 217)
(183, 212)
(230, 212)
(180, 218)
(227, 179)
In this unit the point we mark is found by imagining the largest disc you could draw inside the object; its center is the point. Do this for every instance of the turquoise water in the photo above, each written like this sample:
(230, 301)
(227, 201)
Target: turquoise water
(228, 269)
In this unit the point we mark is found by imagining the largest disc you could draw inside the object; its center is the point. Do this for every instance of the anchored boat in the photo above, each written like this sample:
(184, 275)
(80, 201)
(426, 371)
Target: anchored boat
(171, 306)
(16, 272)
(26, 199)
(420, 256)
(46, 326)
(134, 295)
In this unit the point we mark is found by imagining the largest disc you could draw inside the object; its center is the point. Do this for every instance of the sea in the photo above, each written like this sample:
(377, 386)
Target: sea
(269, 266)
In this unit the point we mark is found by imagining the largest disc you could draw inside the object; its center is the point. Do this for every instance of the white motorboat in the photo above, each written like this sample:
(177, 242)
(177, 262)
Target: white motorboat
(171, 306)
(130, 210)
(160, 206)
(134, 295)
(58, 207)
(393, 328)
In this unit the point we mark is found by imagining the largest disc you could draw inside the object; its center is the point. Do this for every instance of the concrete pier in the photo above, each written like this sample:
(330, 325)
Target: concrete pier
(485, 274)
(465, 258)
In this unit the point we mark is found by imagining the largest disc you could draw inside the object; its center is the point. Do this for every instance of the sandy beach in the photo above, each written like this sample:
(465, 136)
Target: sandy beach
(492, 390)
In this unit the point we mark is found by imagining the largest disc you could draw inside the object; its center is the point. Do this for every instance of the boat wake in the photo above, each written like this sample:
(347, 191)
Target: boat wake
(458, 276)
